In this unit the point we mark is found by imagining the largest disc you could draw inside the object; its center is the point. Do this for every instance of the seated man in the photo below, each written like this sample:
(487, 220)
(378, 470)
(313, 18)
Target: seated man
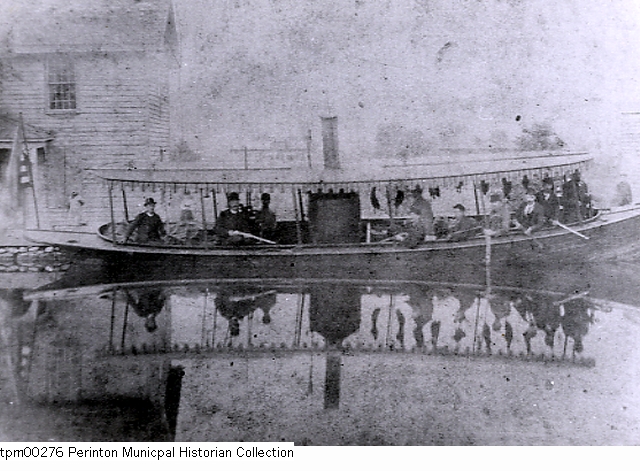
(499, 221)
(232, 222)
(530, 214)
(265, 219)
(421, 228)
(462, 227)
(548, 199)
(149, 226)
(187, 228)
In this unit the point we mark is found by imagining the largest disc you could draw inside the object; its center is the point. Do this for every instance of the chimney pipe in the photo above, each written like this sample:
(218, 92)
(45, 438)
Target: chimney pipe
(330, 142)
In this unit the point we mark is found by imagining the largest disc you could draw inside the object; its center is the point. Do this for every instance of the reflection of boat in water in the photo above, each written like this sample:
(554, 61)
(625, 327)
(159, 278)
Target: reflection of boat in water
(329, 225)
(366, 351)
(356, 316)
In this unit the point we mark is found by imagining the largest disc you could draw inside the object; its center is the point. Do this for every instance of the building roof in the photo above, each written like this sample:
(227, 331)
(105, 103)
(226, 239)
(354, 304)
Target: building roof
(89, 25)
(33, 134)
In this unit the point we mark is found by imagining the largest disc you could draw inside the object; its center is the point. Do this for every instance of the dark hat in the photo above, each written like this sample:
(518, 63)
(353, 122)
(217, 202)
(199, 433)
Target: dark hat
(149, 201)
(265, 197)
(233, 196)
(460, 207)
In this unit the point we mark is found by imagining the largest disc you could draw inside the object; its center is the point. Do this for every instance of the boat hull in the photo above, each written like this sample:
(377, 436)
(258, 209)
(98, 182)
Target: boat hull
(445, 261)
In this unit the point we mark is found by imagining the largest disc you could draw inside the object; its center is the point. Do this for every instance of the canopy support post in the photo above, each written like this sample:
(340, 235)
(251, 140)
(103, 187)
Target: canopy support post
(113, 318)
(390, 208)
(204, 218)
(475, 194)
(113, 217)
(124, 203)
(124, 327)
(297, 213)
(215, 206)
(302, 216)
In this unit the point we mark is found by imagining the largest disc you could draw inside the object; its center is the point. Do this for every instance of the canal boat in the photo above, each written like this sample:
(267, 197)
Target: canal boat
(345, 222)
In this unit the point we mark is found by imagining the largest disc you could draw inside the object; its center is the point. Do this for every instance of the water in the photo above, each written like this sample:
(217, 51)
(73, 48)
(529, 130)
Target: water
(530, 360)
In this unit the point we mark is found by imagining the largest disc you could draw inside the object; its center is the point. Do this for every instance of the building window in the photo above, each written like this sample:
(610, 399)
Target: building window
(62, 86)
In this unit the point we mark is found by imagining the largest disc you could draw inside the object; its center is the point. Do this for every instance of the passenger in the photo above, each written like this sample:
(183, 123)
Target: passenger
(148, 225)
(232, 222)
(499, 221)
(549, 201)
(186, 229)
(266, 219)
(584, 197)
(530, 214)
(422, 227)
(576, 200)
(462, 227)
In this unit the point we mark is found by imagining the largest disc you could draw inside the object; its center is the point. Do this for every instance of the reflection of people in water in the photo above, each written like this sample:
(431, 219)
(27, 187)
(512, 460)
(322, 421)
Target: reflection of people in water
(401, 321)
(421, 302)
(234, 304)
(576, 320)
(466, 298)
(540, 313)
(146, 303)
(374, 323)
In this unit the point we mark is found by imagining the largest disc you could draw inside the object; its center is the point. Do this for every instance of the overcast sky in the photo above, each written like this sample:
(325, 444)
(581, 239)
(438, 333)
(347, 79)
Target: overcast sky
(413, 74)
(427, 73)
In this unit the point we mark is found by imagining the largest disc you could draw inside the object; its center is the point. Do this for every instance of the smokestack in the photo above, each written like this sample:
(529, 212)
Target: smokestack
(330, 142)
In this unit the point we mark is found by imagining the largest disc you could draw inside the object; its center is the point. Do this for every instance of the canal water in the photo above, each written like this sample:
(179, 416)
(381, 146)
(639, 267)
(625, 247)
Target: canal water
(526, 360)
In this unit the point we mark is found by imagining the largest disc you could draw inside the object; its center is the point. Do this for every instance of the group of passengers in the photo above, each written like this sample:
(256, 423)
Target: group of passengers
(238, 224)
(234, 225)
(536, 210)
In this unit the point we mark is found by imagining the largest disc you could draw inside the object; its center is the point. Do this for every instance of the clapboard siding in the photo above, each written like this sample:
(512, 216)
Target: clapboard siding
(121, 120)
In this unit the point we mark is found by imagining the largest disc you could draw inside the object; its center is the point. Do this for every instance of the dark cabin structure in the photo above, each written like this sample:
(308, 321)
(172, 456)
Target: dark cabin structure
(90, 81)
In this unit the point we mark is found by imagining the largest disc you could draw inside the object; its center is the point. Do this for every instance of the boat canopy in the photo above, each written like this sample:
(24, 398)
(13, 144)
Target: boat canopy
(358, 179)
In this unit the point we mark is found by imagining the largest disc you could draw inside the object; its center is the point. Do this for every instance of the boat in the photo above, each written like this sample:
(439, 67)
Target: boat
(334, 223)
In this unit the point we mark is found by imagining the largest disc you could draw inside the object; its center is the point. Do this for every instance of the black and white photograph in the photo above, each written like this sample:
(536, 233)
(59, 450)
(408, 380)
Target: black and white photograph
(324, 223)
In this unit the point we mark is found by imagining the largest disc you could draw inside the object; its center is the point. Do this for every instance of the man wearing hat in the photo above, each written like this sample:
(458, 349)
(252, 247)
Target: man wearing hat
(463, 227)
(530, 214)
(421, 213)
(548, 199)
(149, 226)
(233, 221)
(265, 218)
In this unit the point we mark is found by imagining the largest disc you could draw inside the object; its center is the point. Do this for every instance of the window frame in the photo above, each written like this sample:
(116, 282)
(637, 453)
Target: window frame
(60, 72)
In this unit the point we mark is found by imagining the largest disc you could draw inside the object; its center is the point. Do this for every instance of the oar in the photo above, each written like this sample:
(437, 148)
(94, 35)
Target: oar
(571, 298)
(398, 237)
(251, 297)
(251, 236)
(573, 231)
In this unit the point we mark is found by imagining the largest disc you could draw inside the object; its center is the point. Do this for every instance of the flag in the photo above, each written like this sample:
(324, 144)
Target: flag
(19, 168)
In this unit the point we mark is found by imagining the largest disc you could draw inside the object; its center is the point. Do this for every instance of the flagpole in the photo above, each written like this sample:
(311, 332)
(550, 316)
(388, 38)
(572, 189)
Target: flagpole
(27, 163)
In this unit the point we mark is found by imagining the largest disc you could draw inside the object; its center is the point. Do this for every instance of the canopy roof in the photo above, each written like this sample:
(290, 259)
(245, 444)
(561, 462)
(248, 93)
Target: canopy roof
(430, 174)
